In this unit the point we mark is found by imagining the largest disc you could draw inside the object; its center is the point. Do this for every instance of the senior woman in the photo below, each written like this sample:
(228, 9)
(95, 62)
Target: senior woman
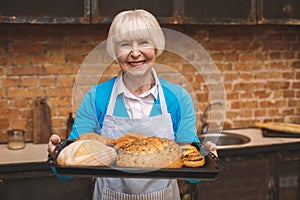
(136, 100)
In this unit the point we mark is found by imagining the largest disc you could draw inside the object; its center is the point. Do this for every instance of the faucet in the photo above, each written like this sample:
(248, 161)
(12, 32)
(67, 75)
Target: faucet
(204, 128)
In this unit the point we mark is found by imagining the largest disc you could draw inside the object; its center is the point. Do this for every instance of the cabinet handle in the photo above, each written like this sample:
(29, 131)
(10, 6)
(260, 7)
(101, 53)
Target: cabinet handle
(288, 10)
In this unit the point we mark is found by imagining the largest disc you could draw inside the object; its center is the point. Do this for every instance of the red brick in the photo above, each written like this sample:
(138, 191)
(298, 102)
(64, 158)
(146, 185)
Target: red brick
(296, 65)
(244, 104)
(4, 104)
(10, 82)
(21, 103)
(246, 57)
(29, 82)
(4, 59)
(273, 85)
(247, 95)
(273, 104)
(65, 81)
(47, 81)
(259, 112)
(19, 123)
(25, 70)
(20, 59)
(289, 94)
(59, 91)
(246, 76)
(296, 85)
(39, 58)
(25, 47)
(24, 93)
(76, 58)
(232, 56)
(57, 58)
(60, 101)
(62, 69)
(247, 86)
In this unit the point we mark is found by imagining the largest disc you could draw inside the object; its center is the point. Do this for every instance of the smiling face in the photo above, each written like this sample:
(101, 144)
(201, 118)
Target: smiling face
(136, 58)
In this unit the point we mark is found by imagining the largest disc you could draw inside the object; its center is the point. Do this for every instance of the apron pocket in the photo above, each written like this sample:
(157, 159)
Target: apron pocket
(166, 194)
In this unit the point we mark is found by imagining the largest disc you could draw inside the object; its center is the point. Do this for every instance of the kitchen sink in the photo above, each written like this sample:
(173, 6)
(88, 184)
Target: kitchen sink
(224, 139)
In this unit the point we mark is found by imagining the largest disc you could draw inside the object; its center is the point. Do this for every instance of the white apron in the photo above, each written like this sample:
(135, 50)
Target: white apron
(137, 188)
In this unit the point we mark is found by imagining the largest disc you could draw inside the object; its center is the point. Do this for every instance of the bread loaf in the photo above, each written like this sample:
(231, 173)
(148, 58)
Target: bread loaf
(87, 153)
(278, 126)
(127, 138)
(89, 136)
(150, 152)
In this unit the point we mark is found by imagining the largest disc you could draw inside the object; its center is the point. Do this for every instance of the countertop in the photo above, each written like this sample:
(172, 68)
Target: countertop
(37, 153)
(257, 139)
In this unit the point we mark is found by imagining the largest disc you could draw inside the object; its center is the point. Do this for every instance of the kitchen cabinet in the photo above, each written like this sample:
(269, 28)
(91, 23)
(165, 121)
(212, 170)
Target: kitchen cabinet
(219, 12)
(225, 12)
(43, 185)
(103, 11)
(181, 11)
(279, 12)
(45, 11)
(288, 175)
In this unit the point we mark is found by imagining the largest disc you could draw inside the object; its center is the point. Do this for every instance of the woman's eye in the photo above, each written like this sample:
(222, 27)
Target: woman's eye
(124, 44)
(144, 42)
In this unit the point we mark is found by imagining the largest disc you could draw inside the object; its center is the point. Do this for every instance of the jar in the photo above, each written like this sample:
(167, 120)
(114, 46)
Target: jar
(15, 139)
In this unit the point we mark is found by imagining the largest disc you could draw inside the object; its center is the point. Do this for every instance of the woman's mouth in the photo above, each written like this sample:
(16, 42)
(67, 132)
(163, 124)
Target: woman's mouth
(136, 63)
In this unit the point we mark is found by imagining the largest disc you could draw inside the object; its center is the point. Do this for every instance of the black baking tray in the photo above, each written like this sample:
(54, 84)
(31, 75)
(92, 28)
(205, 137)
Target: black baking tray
(213, 165)
(272, 133)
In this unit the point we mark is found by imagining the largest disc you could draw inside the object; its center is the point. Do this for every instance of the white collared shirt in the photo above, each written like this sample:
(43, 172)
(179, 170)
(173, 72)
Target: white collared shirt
(137, 107)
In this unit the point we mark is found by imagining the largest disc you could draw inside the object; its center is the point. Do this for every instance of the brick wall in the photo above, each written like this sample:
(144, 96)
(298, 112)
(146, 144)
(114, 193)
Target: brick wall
(260, 66)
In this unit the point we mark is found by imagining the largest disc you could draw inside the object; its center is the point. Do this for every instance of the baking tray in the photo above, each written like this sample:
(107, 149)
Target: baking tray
(272, 133)
(210, 170)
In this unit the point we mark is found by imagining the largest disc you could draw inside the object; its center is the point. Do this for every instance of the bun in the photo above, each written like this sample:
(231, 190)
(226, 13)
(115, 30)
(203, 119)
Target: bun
(87, 153)
(89, 136)
(150, 152)
(191, 156)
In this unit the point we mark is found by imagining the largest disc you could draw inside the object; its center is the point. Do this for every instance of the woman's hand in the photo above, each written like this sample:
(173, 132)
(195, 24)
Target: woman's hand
(53, 141)
(212, 147)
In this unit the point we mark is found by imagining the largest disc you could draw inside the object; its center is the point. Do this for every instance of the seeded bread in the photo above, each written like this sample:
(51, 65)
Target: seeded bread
(150, 152)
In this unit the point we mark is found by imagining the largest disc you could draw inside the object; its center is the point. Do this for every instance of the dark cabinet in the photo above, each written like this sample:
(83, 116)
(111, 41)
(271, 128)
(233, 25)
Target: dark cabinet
(220, 11)
(45, 11)
(279, 12)
(103, 11)
(225, 12)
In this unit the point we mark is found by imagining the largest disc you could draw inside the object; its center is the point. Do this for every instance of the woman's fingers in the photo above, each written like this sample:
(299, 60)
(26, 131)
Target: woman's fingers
(212, 147)
(53, 141)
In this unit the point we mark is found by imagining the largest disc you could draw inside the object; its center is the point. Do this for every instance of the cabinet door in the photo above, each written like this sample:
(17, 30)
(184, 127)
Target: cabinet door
(220, 11)
(45, 11)
(103, 11)
(279, 11)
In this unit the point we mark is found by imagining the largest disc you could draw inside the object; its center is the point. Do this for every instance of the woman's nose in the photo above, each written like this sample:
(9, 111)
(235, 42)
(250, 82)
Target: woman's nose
(135, 52)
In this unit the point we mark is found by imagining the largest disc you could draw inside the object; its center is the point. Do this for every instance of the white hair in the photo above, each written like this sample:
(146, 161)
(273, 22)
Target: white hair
(133, 25)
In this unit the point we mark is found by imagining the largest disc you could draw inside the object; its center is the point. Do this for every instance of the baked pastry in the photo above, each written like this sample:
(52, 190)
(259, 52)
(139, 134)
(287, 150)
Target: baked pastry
(127, 138)
(150, 152)
(87, 153)
(279, 126)
(191, 156)
(89, 136)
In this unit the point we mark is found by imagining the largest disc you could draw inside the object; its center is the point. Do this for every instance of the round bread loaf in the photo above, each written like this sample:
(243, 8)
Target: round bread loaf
(150, 152)
(87, 153)
(89, 136)
(127, 138)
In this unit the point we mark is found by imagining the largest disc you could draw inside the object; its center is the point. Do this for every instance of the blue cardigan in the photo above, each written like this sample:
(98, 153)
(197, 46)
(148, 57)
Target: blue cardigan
(90, 115)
